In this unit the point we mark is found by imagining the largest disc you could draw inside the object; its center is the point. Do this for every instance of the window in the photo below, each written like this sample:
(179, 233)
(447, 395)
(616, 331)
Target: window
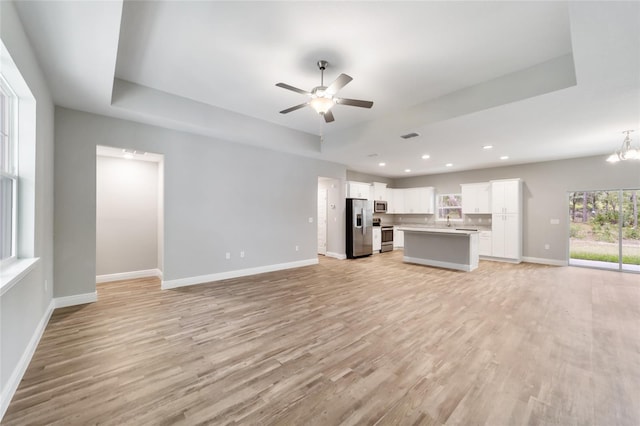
(450, 207)
(8, 173)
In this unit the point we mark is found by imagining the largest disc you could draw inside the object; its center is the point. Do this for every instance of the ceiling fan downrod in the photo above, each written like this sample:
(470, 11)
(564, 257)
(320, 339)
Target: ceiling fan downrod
(322, 64)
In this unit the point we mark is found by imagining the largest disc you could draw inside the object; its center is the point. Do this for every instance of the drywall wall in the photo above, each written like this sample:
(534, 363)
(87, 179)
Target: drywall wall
(24, 308)
(545, 194)
(219, 197)
(364, 177)
(126, 215)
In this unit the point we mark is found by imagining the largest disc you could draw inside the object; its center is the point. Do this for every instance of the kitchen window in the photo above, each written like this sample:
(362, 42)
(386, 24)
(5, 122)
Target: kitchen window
(449, 207)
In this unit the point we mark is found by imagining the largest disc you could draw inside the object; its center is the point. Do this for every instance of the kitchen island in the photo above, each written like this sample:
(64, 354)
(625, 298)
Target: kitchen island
(441, 247)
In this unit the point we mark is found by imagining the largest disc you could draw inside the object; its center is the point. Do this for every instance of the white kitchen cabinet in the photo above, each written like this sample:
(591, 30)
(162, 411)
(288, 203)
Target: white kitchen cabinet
(377, 239)
(395, 203)
(379, 191)
(506, 236)
(411, 200)
(476, 198)
(506, 196)
(485, 243)
(358, 190)
(419, 200)
(398, 238)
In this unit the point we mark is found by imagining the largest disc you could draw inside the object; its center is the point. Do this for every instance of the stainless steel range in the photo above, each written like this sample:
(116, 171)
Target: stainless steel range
(387, 238)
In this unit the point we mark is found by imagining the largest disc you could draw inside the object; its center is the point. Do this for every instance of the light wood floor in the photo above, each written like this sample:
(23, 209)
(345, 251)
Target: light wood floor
(367, 341)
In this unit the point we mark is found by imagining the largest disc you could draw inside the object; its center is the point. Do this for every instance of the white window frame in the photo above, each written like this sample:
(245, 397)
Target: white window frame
(439, 198)
(10, 170)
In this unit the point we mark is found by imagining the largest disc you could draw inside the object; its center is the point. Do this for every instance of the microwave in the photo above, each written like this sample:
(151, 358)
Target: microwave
(379, 206)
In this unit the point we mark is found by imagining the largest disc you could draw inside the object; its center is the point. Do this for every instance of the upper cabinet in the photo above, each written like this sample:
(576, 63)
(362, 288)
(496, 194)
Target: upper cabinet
(506, 196)
(395, 200)
(419, 200)
(380, 191)
(411, 200)
(358, 190)
(476, 198)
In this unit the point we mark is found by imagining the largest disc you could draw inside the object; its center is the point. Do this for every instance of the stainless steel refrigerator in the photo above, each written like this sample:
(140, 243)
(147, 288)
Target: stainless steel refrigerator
(359, 227)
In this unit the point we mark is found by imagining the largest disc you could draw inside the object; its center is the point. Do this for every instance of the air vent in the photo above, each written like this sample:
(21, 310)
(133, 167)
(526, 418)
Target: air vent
(410, 135)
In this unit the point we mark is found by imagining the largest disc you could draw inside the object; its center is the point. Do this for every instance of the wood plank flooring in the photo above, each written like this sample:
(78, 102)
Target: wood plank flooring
(366, 341)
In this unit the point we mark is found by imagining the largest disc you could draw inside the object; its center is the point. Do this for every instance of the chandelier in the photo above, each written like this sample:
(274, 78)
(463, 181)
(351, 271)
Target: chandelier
(626, 151)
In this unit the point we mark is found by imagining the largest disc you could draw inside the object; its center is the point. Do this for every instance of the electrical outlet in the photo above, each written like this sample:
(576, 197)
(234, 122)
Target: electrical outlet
(547, 246)
(228, 256)
(310, 220)
(241, 253)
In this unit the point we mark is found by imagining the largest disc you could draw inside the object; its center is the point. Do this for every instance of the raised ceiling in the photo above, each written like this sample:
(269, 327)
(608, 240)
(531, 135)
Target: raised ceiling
(537, 80)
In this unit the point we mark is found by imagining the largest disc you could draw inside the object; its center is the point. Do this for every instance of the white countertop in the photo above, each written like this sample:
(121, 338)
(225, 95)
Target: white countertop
(437, 230)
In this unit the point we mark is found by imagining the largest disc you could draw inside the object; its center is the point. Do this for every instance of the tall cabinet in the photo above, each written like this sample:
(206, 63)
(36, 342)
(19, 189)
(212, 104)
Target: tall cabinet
(506, 219)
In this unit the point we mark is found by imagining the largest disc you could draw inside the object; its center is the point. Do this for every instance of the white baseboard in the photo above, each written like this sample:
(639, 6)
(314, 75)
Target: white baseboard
(203, 279)
(336, 255)
(128, 275)
(25, 359)
(76, 299)
(543, 261)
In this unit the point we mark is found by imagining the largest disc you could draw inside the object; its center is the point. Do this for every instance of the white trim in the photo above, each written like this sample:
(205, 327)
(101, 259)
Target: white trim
(128, 275)
(440, 264)
(543, 261)
(15, 272)
(25, 359)
(336, 255)
(76, 299)
(204, 279)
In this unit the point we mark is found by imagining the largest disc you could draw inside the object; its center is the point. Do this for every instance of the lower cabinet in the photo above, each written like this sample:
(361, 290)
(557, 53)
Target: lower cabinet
(485, 243)
(398, 238)
(377, 239)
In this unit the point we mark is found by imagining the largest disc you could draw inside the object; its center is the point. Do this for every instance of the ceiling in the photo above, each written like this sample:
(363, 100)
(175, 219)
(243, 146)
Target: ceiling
(536, 80)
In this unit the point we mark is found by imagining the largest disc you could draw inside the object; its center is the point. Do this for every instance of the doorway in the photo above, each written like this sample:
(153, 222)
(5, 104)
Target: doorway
(330, 218)
(129, 214)
(603, 230)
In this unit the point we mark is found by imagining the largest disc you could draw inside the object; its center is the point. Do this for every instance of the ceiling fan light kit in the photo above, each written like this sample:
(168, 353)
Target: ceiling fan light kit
(323, 97)
(626, 151)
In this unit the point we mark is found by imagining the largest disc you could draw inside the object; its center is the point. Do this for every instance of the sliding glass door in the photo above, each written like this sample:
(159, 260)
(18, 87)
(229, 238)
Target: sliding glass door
(630, 236)
(604, 229)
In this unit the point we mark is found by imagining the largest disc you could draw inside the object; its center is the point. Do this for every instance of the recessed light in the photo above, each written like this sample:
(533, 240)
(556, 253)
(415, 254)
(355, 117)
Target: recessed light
(449, 165)
(407, 170)
(504, 157)
(382, 164)
(426, 157)
(487, 147)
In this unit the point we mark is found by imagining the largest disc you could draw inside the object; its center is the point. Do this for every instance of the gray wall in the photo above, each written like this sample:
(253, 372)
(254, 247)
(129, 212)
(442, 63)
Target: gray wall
(218, 197)
(545, 194)
(126, 215)
(25, 304)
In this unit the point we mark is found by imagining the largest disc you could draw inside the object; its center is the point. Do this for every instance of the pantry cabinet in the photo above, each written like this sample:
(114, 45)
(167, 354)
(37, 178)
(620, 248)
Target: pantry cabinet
(506, 219)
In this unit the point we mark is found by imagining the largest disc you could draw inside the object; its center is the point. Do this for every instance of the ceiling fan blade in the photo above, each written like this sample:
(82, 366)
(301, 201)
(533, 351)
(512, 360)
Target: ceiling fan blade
(328, 117)
(293, 108)
(294, 89)
(354, 102)
(338, 84)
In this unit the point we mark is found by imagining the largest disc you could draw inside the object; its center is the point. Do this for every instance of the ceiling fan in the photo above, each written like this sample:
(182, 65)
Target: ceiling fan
(323, 97)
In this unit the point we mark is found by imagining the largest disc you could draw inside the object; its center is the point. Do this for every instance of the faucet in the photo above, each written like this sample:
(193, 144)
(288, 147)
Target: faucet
(448, 223)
